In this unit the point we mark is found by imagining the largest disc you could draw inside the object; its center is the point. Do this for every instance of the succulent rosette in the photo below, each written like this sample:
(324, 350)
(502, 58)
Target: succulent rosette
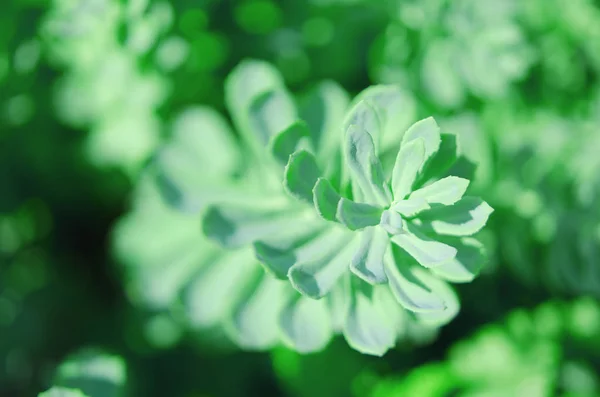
(313, 201)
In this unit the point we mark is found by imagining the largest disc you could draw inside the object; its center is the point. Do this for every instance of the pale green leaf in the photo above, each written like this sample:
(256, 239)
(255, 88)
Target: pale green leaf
(306, 324)
(300, 175)
(466, 265)
(316, 277)
(234, 226)
(447, 294)
(426, 251)
(464, 218)
(446, 191)
(442, 162)
(326, 199)
(368, 327)
(364, 115)
(366, 170)
(279, 253)
(249, 79)
(392, 222)
(411, 207)
(368, 260)
(428, 130)
(203, 135)
(253, 323)
(357, 216)
(411, 284)
(409, 161)
(324, 108)
(269, 114)
(338, 300)
(395, 109)
(288, 141)
(208, 298)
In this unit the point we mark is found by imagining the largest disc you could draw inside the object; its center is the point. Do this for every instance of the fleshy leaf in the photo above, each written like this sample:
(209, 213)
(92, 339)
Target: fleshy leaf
(316, 277)
(447, 294)
(428, 130)
(446, 191)
(364, 115)
(235, 226)
(395, 109)
(279, 255)
(410, 207)
(338, 300)
(366, 170)
(324, 108)
(368, 260)
(206, 137)
(409, 161)
(306, 324)
(357, 216)
(201, 139)
(293, 138)
(392, 222)
(209, 296)
(410, 283)
(243, 85)
(442, 161)
(270, 113)
(326, 199)
(467, 263)
(368, 327)
(300, 175)
(253, 323)
(464, 218)
(428, 252)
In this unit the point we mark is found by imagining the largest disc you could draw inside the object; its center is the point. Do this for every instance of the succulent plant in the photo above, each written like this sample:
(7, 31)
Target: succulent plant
(187, 281)
(287, 204)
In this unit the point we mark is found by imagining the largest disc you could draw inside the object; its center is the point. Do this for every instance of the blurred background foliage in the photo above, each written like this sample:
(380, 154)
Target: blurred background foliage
(90, 88)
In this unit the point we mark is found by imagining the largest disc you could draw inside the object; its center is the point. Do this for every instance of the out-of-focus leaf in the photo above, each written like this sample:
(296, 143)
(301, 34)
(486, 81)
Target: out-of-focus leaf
(288, 141)
(306, 324)
(316, 277)
(411, 284)
(254, 320)
(368, 327)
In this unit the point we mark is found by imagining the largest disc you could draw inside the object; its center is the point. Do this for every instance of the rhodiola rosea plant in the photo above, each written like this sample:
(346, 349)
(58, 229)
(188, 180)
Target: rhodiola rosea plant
(362, 218)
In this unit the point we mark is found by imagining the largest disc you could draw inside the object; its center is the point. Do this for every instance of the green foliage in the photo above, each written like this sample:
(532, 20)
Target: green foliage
(61, 392)
(285, 219)
(105, 88)
(91, 373)
(539, 353)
